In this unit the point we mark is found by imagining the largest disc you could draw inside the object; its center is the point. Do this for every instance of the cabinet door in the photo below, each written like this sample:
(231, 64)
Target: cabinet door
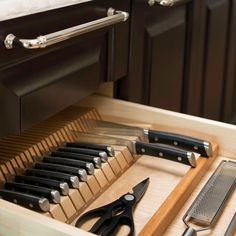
(216, 23)
(157, 56)
(229, 102)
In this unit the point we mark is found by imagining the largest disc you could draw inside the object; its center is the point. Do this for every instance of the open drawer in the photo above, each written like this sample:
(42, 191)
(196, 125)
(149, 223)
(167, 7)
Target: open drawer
(171, 185)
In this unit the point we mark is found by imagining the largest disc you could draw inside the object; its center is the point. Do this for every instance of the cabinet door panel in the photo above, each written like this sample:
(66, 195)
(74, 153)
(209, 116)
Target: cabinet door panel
(157, 55)
(217, 13)
(166, 60)
(229, 104)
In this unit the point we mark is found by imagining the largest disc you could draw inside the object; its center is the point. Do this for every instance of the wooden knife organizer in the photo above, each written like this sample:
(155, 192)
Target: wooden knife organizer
(171, 184)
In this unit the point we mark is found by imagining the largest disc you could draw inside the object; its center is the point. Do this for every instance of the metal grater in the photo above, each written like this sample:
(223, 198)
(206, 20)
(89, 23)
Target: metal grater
(210, 201)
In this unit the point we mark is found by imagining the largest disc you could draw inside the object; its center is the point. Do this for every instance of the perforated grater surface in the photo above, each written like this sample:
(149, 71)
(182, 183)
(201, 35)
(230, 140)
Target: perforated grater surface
(210, 201)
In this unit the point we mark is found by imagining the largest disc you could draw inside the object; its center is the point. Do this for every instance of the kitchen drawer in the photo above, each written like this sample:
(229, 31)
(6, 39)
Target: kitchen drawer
(161, 197)
(37, 83)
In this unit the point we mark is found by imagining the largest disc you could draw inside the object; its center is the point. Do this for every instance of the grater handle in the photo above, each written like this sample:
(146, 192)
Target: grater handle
(190, 232)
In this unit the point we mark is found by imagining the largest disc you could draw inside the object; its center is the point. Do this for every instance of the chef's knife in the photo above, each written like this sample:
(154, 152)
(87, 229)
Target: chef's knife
(92, 152)
(94, 146)
(71, 180)
(81, 173)
(52, 195)
(202, 147)
(62, 187)
(26, 200)
(137, 147)
(77, 156)
(89, 167)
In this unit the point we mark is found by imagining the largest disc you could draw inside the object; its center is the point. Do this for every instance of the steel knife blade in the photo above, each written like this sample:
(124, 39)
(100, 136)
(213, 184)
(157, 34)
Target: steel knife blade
(137, 147)
(200, 146)
(77, 156)
(81, 173)
(26, 200)
(71, 180)
(62, 187)
(52, 195)
(89, 167)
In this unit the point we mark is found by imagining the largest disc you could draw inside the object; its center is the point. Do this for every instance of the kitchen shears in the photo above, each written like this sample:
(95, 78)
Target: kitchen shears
(115, 214)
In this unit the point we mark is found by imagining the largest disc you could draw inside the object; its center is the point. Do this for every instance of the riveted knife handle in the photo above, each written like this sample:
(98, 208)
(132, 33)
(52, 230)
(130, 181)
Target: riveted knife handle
(108, 149)
(196, 145)
(52, 195)
(166, 152)
(26, 200)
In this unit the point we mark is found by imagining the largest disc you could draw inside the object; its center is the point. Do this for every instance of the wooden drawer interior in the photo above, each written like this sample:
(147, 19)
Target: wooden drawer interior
(169, 189)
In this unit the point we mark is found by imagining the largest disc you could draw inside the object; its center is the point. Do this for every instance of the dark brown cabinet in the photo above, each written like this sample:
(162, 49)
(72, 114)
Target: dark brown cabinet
(183, 58)
(37, 83)
(215, 80)
(157, 55)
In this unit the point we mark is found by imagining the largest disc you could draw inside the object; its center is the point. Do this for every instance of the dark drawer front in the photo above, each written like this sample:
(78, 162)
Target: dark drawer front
(37, 83)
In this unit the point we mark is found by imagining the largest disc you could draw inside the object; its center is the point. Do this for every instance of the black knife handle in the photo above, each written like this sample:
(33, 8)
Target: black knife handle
(196, 145)
(166, 152)
(62, 187)
(52, 195)
(89, 167)
(92, 152)
(108, 149)
(77, 156)
(72, 181)
(26, 200)
(81, 173)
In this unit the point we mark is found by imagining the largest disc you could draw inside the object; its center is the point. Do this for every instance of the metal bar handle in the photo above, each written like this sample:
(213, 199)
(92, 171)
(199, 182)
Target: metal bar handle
(112, 18)
(167, 3)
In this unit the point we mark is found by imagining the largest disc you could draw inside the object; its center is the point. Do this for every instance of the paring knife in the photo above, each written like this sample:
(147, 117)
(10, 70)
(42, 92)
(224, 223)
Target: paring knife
(81, 173)
(92, 152)
(202, 147)
(77, 156)
(136, 147)
(105, 148)
(89, 167)
(71, 180)
(62, 187)
(52, 195)
(26, 200)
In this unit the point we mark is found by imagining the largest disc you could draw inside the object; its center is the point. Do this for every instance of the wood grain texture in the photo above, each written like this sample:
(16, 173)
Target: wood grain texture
(218, 132)
(173, 203)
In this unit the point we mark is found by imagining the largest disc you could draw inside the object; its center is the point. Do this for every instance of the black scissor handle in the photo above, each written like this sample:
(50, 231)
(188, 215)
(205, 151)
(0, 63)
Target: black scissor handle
(105, 212)
(110, 221)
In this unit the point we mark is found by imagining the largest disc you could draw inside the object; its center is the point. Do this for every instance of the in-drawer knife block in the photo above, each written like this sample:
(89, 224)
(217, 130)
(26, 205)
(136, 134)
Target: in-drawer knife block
(170, 187)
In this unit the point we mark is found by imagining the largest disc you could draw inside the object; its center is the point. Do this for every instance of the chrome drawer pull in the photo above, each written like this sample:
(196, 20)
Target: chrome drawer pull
(167, 3)
(112, 18)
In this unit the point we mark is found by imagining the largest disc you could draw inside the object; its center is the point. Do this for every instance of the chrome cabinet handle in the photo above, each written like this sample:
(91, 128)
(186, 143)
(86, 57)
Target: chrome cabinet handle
(43, 41)
(167, 3)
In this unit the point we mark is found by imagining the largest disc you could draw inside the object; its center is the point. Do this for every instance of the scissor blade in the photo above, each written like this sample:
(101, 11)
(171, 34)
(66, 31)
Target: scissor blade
(140, 189)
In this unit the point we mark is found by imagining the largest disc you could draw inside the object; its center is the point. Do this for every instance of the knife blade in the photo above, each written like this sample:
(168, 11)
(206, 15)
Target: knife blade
(200, 146)
(52, 195)
(62, 187)
(94, 146)
(76, 156)
(81, 173)
(26, 200)
(137, 147)
(89, 167)
(71, 180)
(92, 152)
